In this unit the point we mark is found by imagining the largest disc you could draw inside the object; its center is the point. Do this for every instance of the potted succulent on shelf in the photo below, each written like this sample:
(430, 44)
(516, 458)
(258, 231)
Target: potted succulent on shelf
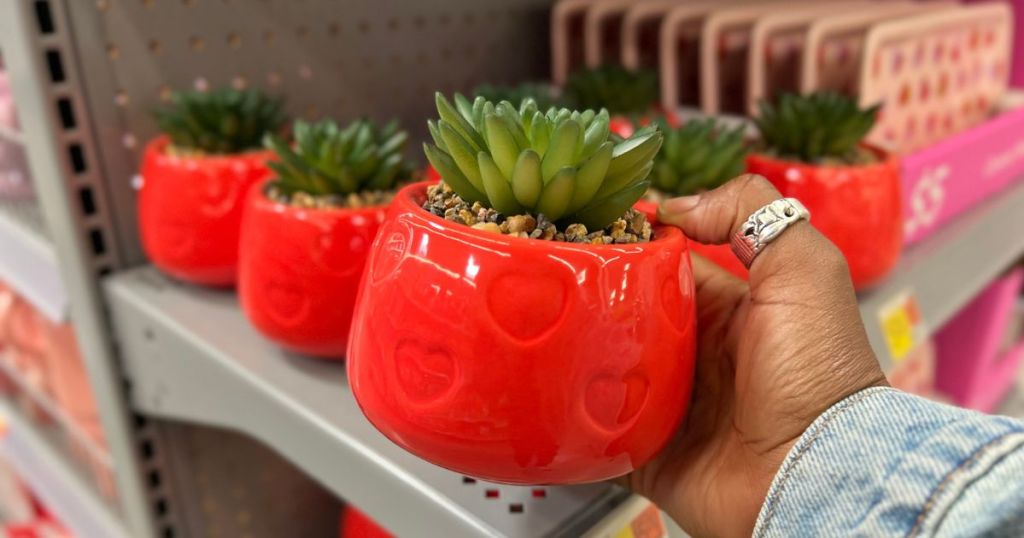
(519, 321)
(698, 156)
(195, 176)
(307, 230)
(813, 150)
(631, 96)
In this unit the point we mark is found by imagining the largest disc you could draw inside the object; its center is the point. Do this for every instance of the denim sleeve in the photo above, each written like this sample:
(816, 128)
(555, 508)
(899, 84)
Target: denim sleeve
(886, 463)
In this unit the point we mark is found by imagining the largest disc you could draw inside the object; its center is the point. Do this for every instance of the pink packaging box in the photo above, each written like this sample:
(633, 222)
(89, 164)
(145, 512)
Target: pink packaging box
(975, 366)
(948, 178)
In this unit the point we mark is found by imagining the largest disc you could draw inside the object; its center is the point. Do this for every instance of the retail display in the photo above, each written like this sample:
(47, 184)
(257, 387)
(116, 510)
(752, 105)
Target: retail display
(195, 177)
(307, 230)
(505, 327)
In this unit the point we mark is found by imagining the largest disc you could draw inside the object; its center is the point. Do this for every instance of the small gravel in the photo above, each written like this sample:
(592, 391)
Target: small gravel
(442, 201)
(356, 200)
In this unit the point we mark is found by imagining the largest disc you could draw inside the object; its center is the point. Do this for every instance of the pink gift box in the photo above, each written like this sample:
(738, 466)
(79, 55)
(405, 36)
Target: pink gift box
(974, 366)
(948, 178)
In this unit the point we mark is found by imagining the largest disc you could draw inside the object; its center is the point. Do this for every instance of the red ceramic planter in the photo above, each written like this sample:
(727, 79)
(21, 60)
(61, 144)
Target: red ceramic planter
(720, 255)
(522, 361)
(857, 207)
(355, 524)
(299, 271)
(190, 211)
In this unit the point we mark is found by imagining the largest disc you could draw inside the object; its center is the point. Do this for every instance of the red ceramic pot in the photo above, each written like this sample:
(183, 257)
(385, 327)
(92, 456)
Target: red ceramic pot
(625, 127)
(355, 524)
(720, 255)
(857, 207)
(299, 271)
(190, 211)
(517, 360)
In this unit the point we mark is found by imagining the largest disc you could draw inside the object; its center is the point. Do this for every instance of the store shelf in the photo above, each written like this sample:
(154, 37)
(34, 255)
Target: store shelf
(945, 271)
(192, 356)
(58, 482)
(28, 262)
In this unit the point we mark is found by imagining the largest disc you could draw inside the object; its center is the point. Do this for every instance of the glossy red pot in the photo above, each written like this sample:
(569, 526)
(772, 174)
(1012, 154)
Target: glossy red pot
(355, 524)
(299, 271)
(190, 211)
(517, 360)
(857, 207)
(720, 255)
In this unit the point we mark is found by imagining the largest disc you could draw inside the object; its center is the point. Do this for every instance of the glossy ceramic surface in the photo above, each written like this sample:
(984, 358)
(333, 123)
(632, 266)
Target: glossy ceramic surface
(299, 271)
(522, 361)
(857, 207)
(355, 524)
(720, 255)
(190, 211)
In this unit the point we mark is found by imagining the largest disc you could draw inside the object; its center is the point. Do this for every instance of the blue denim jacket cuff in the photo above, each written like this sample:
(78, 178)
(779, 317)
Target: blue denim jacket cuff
(881, 462)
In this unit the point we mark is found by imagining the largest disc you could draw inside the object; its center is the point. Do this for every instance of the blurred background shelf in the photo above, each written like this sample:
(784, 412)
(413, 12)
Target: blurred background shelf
(29, 261)
(11, 135)
(58, 481)
(945, 271)
(193, 356)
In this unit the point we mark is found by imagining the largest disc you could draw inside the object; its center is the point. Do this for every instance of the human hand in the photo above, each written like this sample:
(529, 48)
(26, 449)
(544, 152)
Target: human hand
(771, 357)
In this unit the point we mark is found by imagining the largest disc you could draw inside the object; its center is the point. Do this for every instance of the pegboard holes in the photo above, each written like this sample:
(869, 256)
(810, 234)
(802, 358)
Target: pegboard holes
(394, 24)
(444, 19)
(121, 98)
(99, 246)
(301, 32)
(66, 113)
(168, 532)
(147, 449)
(419, 22)
(148, 3)
(364, 27)
(196, 43)
(188, 3)
(77, 157)
(515, 508)
(56, 66)
(468, 481)
(539, 493)
(239, 83)
(129, 141)
(333, 29)
(269, 36)
(305, 72)
(87, 201)
(44, 17)
(102, 5)
(234, 41)
(165, 93)
(154, 479)
(492, 493)
(200, 84)
(273, 78)
(113, 51)
(154, 46)
(161, 507)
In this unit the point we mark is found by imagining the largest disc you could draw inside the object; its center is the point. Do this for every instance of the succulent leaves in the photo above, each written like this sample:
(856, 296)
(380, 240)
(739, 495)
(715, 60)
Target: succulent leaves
(620, 90)
(560, 163)
(815, 126)
(329, 160)
(700, 155)
(222, 121)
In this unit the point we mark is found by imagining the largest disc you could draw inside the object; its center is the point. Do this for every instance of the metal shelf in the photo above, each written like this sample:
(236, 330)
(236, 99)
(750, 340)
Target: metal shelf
(28, 261)
(945, 271)
(59, 483)
(193, 356)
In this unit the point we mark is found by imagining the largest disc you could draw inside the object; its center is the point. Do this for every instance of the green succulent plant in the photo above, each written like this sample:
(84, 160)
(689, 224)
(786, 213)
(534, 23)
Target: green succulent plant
(221, 121)
(815, 126)
(563, 164)
(329, 160)
(699, 155)
(544, 94)
(614, 87)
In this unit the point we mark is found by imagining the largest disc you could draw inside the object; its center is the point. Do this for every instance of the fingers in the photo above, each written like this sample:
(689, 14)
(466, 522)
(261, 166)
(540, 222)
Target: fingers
(799, 255)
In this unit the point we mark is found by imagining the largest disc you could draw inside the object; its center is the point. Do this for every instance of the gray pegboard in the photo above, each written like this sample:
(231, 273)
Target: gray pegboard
(377, 59)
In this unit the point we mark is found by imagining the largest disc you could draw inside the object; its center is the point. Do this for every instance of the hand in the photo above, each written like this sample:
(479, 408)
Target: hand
(772, 356)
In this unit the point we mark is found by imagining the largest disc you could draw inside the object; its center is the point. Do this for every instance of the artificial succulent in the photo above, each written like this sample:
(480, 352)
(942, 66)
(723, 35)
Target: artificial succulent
(329, 160)
(544, 94)
(699, 155)
(561, 163)
(814, 127)
(222, 121)
(620, 90)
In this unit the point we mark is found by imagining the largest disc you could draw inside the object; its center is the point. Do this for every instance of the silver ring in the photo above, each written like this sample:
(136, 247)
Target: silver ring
(764, 225)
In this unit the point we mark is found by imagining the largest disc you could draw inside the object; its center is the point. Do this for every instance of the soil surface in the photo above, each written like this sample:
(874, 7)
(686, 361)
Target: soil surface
(442, 201)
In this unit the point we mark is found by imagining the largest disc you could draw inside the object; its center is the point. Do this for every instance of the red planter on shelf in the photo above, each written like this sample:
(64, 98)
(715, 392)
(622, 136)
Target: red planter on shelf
(190, 211)
(522, 361)
(299, 271)
(857, 207)
(355, 524)
(720, 255)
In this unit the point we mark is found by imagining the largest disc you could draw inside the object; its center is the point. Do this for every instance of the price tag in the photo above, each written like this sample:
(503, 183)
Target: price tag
(902, 327)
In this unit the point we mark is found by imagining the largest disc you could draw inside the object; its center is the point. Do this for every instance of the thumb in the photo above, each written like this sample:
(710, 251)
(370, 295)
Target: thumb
(800, 257)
